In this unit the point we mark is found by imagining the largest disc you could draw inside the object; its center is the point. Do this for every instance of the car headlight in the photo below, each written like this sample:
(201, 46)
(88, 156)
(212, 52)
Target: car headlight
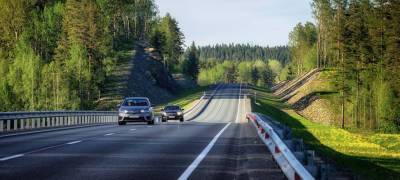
(179, 113)
(164, 113)
(144, 111)
(123, 113)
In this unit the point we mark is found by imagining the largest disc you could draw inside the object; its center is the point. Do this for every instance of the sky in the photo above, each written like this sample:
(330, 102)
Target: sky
(258, 22)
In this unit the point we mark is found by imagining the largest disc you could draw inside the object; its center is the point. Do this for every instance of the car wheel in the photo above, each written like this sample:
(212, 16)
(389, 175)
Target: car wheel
(121, 123)
(181, 120)
(163, 120)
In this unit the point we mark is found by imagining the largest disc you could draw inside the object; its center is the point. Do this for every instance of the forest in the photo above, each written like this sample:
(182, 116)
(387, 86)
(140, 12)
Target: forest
(239, 52)
(359, 41)
(232, 63)
(56, 54)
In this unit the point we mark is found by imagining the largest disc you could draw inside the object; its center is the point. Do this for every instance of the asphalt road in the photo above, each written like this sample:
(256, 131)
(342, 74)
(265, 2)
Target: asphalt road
(217, 143)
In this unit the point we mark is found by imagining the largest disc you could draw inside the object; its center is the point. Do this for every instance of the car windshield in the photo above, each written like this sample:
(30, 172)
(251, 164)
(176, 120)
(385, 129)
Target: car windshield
(135, 102)
(169, 108)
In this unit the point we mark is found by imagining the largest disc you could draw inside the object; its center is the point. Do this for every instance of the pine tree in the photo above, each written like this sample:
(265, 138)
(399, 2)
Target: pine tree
(191, 63)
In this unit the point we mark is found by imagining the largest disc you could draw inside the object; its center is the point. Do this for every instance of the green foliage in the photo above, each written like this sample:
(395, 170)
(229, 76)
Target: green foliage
(257, 72)
(359, 39)
(191, 62)
(168, 38)
(302, 43)
(24, 75)
(56, 54)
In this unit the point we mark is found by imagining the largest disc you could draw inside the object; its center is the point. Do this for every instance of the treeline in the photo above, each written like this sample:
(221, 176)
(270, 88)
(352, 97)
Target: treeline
(258, 72)
(359, 39)
(239, 52)
(56, 54)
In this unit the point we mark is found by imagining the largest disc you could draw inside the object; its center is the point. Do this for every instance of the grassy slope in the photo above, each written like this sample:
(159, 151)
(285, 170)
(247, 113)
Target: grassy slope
(372, 156)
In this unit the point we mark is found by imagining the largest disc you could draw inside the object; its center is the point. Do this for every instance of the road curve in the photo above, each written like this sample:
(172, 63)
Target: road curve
(215, 144)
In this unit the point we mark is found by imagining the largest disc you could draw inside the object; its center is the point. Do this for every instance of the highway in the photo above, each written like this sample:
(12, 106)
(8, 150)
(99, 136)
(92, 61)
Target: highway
(217, 143)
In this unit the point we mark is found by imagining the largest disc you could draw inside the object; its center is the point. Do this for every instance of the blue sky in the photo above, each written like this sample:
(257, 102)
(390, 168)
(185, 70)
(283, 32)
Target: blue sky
(260, 22)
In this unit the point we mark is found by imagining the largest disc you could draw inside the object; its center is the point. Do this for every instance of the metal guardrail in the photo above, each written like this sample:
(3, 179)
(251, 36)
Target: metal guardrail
(13, 121)
(287, 161)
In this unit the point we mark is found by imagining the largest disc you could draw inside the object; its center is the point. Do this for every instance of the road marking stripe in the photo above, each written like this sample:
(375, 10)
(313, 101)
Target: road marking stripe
(201, 156)
(109, 134)
(11, 157)
(132, 129)
(74, 142)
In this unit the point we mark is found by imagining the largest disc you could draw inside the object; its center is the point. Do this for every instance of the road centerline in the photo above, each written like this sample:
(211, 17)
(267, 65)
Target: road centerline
(74, 142)
(11, 157)
(185, 175)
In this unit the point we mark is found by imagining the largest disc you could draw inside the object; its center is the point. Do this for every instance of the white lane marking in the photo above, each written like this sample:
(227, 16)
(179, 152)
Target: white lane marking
(11, 157)
(201, 156)
(238, 107)
(74, 142)
(109, 134)
(132, 129)
(149, 126)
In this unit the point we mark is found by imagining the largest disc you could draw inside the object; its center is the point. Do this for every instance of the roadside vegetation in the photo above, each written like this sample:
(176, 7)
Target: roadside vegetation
(358, 40)
(371, 155)
(57, 55)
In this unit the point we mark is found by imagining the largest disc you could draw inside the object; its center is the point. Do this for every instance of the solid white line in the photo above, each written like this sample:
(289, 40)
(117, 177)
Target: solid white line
(109, 134)
(74, 142)
(132, 129)
(238, 107)
(11, 157)
(201, 156)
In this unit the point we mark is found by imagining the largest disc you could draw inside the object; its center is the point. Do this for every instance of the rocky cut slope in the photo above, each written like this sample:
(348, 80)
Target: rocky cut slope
(311, 96)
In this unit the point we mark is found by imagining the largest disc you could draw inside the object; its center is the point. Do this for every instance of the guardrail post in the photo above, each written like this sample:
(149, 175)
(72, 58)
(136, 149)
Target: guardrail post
(33, 123)
(8, 125)
(15, 124)
(26, 123)
(1, 125)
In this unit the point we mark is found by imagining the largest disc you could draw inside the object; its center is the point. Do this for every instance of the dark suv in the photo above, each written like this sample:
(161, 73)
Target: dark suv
(172, 112)
(135, 109)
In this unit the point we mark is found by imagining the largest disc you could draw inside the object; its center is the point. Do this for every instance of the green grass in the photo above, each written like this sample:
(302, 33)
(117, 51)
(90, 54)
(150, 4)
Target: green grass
(372, 156)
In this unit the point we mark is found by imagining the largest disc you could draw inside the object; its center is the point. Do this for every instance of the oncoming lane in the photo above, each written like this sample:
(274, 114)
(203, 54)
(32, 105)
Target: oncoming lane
(163, 151)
